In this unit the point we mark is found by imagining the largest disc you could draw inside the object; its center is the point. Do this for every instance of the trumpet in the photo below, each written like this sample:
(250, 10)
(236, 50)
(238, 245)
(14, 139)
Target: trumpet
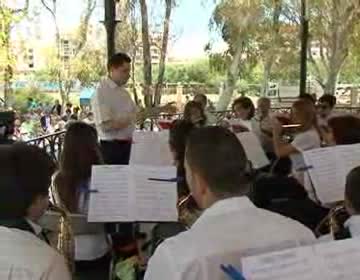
(188, 211)
(334, 222)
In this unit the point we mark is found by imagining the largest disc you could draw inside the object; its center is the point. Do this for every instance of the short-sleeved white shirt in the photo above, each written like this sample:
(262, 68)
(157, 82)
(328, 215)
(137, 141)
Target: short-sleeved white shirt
(113, 102)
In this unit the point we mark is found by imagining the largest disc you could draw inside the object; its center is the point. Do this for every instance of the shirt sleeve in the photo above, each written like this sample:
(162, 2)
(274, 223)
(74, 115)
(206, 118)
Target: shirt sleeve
(101, 107)
(160, 266)
(304, 141)
(58, 269)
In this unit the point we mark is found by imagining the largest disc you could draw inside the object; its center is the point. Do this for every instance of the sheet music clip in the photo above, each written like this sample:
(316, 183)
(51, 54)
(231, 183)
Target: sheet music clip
(171, 180)
(304, 168)
(93, 191)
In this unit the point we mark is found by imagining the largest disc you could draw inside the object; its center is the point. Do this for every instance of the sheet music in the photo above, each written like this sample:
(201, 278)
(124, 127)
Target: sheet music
(295, 264)
(330, 167)
(112, 202)
(151, 148)
(253, 149)
(153, 198)
(324, 174)
(125, 193)
(340, 259)
(327, 261)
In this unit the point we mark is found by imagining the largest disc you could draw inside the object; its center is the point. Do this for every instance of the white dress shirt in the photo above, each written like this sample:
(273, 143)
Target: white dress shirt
(230, 226)
(112, 102)
(25, 257)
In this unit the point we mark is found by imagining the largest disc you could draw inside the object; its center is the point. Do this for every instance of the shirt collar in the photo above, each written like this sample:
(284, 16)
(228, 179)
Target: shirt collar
(111, 83)
(37, 229)
(224, 206)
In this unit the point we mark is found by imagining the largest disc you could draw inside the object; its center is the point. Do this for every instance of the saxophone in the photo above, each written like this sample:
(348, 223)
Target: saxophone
(333, 223)
(64, 241)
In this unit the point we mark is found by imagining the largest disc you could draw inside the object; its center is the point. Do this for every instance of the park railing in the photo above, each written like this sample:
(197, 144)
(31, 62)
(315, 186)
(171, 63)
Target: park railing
(51, 143)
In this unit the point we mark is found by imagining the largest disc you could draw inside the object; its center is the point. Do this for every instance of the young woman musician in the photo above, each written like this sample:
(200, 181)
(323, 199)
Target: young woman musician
(244, 111)
(307, 138)
(177, 141)
(80, 152)
(194, 113)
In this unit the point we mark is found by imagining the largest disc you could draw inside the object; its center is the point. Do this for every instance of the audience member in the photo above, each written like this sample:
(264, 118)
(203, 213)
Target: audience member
(341, 130)
(219, 177)
(203, 100)
(56, 109)
(23, 200)
(75, 115)
(194, 113)
(81, 151)
(90, 119)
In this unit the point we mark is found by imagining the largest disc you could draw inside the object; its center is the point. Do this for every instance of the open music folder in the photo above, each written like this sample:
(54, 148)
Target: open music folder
(151, 148)
(328, 168)
(327, 261)
(122, 193)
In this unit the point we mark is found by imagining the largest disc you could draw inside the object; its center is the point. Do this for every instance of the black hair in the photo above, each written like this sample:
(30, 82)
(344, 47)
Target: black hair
(25, 174)
(329, 99)
(346, 129)
(246, 103)
(218, 156)
(352, 189)
(118, 59)
(179, 133)
(308, 97)
(187, 112)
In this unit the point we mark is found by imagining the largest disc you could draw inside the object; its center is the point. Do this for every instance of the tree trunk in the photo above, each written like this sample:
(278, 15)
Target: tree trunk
(270, 57)
(147, 67)
(232, 77)
(8, 69)
(165, 40)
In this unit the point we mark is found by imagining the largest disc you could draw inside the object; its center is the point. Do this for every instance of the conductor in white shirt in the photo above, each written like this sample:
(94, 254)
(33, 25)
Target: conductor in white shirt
(115, 112)
(219, 177)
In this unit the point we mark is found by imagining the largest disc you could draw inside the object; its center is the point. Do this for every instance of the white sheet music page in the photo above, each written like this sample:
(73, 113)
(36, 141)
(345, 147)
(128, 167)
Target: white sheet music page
(111, 199)
(325, 172)
(155, 198)
(253, 149)
(294, 264)
(340, 259)
(350, 158)
(151, 148)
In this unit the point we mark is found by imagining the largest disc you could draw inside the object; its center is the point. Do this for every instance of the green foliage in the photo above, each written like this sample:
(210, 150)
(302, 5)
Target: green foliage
(21, 96)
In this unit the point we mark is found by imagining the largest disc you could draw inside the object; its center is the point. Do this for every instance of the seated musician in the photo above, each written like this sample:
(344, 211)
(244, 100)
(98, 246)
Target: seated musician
(306, 138)
(244, 111)
(263, 125)
(341, 130)
(177, 141)
(81, 151)
(25, 174)
(325, 107)
(194, 113)
(219, 176)
(203, 100)
(342, 227)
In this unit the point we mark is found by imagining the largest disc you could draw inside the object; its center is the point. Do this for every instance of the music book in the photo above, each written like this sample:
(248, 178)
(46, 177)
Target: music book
(328, 168)
(327, 261)
(151, 148)
(253, 149)
(123, 193)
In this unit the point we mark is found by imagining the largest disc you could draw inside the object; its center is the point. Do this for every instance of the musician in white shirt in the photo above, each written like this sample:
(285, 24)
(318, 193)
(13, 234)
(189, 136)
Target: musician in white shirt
(25, 175)
(219, 177)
